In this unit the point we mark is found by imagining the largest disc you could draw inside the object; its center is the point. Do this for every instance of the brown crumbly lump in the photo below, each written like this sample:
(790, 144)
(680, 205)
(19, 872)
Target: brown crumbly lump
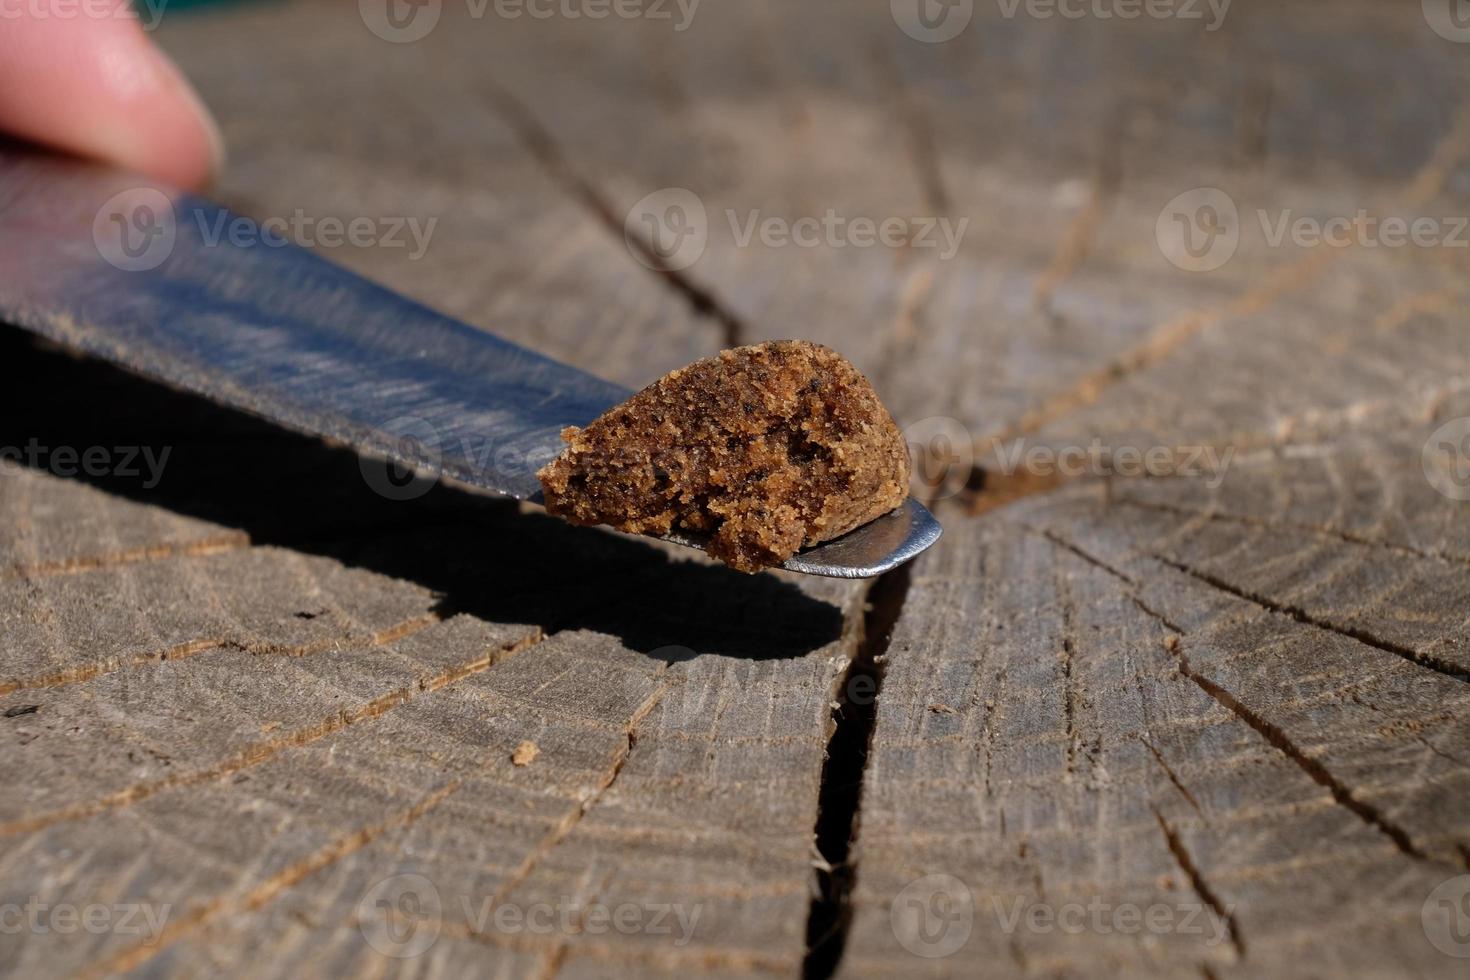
(762, 450)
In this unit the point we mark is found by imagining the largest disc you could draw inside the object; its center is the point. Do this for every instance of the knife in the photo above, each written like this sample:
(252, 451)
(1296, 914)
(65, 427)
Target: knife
(146, 277)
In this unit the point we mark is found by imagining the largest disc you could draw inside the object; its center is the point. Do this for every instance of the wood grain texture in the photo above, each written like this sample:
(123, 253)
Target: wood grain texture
(282, 712)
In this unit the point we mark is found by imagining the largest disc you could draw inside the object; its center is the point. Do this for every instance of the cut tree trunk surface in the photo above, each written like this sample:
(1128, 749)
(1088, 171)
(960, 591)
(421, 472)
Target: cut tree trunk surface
(1208, 721)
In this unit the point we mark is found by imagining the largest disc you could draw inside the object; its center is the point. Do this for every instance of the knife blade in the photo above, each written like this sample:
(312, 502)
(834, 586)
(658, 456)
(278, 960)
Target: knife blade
(163, 284)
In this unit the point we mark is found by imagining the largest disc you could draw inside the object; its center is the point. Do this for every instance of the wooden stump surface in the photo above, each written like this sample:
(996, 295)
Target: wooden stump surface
(280, 711)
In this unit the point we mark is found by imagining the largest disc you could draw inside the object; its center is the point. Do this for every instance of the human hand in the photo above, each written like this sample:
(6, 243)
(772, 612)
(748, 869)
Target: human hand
(82, 76)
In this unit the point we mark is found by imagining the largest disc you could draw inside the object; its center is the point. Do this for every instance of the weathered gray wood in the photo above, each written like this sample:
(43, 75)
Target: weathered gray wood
(260, 691)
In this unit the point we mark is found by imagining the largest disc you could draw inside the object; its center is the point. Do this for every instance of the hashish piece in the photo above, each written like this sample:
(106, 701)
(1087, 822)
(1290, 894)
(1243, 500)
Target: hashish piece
(760, 451)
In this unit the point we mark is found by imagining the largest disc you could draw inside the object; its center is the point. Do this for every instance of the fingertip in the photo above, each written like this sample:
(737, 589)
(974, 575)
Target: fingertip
(191, 151)
(98, 87)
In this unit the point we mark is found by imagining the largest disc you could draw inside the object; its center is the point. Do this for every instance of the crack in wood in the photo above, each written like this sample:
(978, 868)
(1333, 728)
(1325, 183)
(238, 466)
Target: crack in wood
(537, 140)
(1300, 615)
(1274, 735)
(569, 821)
(261, 752)
(77, 675)
(1201, 887)
(1171, 336)
(1088, 557)
(1103, 566)
(190, 648)
(383, 637)
(988, 489)
(912, 301)
(1347, 537)
(1081, 233)
(987, 732)
(1162, 344)
(1253, 122)
(1318, 772)
(1173, 777)
(1427, 302)
(678, 961)
(922, 145)
(202, 916)
(1065, 657)
(212, 545)
(839, 800)
(1443, 161)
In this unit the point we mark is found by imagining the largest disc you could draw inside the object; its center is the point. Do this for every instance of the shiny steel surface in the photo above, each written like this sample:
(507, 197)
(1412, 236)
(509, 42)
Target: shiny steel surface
(166, 284)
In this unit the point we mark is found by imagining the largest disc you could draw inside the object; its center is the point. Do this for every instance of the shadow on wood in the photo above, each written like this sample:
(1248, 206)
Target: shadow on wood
(482, 556)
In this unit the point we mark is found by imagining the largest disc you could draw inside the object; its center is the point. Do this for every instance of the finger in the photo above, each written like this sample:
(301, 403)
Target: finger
(93, 84)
